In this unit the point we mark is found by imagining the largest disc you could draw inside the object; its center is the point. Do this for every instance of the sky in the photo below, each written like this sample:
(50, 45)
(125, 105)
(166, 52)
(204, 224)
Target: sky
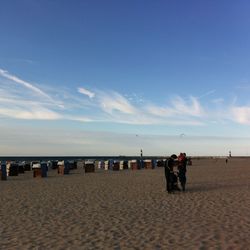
(113, 77)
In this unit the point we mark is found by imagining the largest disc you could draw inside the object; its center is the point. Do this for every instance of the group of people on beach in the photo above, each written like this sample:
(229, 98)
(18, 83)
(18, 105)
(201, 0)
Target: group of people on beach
(175, 172)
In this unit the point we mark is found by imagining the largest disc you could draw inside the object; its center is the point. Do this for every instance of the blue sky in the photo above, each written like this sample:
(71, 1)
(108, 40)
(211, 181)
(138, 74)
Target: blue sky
(111, 77)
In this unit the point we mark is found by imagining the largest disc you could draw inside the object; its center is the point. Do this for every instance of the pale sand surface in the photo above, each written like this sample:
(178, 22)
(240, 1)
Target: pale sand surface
(128, 209)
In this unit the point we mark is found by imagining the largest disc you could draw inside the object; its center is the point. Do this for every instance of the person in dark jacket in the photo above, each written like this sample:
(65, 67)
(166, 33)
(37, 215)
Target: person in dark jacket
(169, 172)
(182, 167)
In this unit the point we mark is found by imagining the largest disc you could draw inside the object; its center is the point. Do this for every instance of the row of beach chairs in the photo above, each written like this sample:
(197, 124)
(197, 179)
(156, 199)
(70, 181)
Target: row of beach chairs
(40, 169)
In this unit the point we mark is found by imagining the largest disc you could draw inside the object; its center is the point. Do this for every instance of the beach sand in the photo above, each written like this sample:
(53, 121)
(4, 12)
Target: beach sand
(128, 209)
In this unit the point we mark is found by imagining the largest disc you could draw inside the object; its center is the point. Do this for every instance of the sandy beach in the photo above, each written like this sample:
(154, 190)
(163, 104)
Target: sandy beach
(128, 209)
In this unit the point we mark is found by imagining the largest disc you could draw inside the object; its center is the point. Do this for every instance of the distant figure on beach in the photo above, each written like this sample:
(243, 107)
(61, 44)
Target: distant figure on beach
(182, 167)
(226, 160)
(169, 173)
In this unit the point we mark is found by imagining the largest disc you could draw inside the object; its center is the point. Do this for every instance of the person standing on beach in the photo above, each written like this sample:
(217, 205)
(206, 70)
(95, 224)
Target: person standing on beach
(169, 172)
(182, 167)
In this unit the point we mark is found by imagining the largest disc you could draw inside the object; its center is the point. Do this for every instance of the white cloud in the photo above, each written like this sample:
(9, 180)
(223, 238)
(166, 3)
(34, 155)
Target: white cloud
(241, 115)
(218, 100)
(149, 120)
(210, 92)
(192, 108)
(160, 111)
(179, 108)
(107, 106)
(34, 113)
(26, 84)
(113, 101)
(18, 104)
(86, 92)
(78, 118)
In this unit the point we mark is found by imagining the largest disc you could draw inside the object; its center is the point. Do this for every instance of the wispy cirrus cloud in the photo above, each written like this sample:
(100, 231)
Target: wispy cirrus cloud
(112, 101)
(191, 107)
(102, 106)
(78, 118)
(218, 100)
(241, 114)
(208, 93)
(20, 99)
(31, 113)
(178, 107)
(26, 84)
(86, 92)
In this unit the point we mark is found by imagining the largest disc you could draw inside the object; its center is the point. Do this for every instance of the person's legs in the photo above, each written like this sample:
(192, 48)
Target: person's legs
(176, 186)
(169, 184)
(183, 186)
(183, 183)
(172, 182)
